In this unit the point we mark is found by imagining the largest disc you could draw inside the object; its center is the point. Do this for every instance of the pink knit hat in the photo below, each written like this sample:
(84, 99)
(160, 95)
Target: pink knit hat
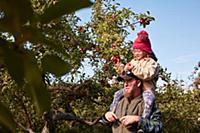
(142, 42)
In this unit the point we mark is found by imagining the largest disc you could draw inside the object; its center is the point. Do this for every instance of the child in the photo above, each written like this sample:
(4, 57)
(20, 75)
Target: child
(145, 67)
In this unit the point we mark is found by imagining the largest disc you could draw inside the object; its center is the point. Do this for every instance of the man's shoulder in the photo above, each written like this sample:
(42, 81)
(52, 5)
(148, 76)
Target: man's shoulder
(137, 100)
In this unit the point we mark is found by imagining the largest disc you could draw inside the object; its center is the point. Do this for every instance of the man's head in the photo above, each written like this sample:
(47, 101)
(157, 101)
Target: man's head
(132, 85)
(132, 88)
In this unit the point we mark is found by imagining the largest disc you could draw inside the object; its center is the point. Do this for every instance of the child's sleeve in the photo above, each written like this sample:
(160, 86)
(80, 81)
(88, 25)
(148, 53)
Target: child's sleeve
(117, 97)
(146, 69)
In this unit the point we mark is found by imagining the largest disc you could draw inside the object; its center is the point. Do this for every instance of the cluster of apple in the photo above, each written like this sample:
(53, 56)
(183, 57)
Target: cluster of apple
(144, 21)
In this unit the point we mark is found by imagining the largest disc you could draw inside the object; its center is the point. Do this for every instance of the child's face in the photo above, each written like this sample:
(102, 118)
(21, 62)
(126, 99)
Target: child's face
(139, 54)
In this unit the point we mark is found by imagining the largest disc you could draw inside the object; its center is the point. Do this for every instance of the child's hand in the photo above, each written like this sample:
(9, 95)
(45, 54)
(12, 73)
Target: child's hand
(128, 66)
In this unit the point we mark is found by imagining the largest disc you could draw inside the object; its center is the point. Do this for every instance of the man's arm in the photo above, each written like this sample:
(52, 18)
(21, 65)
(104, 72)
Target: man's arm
(108, 118)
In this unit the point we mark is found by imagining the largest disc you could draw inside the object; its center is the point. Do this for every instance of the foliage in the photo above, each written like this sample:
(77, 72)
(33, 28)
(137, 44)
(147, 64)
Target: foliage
(21, 25)
(179, 105)
(40, 41)
(195, 76)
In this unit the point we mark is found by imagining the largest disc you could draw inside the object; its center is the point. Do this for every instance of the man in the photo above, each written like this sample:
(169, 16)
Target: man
(126, 117)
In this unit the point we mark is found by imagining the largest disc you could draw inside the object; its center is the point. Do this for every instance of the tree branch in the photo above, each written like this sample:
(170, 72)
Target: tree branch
(24, 128)
(71, 117)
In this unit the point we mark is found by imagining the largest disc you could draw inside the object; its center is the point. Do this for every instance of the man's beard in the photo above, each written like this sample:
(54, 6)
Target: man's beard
(128, 95)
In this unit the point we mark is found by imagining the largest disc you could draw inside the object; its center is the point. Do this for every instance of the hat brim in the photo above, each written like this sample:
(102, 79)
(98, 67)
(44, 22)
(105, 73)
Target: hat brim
(126, 76)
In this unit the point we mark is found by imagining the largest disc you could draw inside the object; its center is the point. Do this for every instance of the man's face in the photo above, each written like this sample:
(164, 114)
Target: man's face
(130, 87)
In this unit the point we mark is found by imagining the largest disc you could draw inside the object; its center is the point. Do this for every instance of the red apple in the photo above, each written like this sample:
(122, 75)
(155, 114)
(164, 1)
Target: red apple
(143, 20)
(83, 50)
(114, 45)
(81, 29)
(115, 59)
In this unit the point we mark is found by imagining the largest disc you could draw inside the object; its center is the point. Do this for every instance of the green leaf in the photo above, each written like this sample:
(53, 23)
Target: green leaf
(24, 9)
(7, 25)
(23, 66)
(63, 7)
(6, 118)
(55, 65)
(13, 62)
(16, 14)
(35, 36)
(35, 86)
(21, 8)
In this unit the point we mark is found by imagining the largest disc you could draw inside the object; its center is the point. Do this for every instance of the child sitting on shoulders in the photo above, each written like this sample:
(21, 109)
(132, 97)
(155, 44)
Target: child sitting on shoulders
(144, 65)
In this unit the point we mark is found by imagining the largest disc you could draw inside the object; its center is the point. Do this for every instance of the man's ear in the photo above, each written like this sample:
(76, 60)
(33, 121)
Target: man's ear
(139, 83)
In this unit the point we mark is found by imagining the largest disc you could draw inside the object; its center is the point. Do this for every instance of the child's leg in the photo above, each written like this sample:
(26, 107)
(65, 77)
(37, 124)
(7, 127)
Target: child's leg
(117, 96)
(149, 99)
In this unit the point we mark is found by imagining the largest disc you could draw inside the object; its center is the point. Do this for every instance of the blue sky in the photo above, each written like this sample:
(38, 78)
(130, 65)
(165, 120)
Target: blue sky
(174, 35)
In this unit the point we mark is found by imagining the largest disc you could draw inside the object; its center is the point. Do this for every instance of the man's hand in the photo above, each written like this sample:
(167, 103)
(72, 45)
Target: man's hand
(110, 116)
(129, 119)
